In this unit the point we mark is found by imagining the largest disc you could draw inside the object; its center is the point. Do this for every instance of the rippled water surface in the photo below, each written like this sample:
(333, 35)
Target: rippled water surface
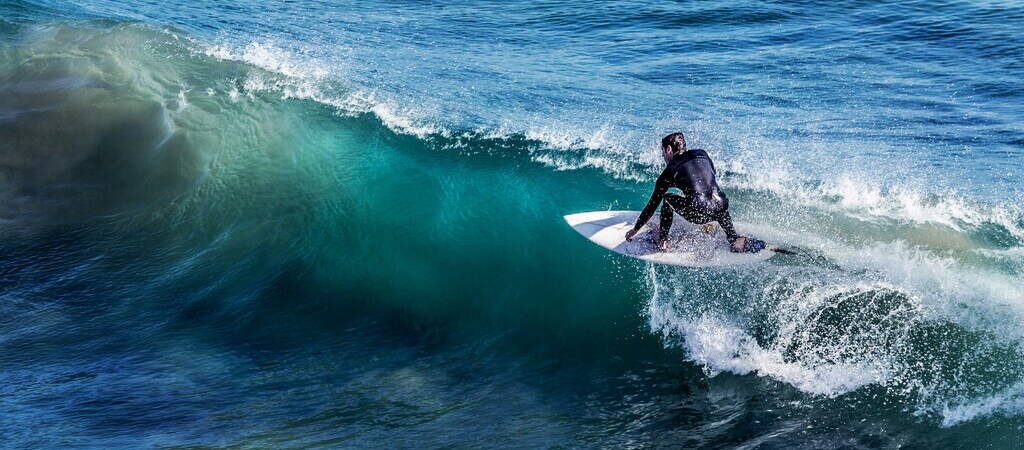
(333, 224)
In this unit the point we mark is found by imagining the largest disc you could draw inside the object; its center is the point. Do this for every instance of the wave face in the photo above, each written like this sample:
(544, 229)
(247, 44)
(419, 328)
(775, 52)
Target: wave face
(340, 224)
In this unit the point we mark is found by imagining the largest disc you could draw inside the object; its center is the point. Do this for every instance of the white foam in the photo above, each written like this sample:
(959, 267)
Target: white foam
(932, 288)
(936, 285)
(623, 153)
(567, 137)
(234, 94)
(303, 77)
(181, 100)
(850, 195)
(1009, 402)
(269, 57)
(561, 162)
(1012, 254)
(978, 298)
(721, 346)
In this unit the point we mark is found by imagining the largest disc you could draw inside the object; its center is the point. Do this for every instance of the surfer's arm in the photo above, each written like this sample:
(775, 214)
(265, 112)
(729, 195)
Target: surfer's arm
(660, 188)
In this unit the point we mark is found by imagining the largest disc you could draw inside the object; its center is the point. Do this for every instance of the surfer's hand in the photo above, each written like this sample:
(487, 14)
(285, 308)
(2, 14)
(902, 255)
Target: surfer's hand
(630, 234)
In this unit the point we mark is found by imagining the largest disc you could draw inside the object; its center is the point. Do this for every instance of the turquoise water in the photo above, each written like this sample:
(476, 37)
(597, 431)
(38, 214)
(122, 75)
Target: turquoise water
(330, 225)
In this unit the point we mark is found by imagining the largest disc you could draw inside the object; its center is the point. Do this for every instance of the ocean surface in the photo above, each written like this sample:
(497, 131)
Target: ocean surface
(335, 224)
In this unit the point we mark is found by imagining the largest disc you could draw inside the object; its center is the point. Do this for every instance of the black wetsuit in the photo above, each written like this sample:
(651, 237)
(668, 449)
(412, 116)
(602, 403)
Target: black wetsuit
(693, 173)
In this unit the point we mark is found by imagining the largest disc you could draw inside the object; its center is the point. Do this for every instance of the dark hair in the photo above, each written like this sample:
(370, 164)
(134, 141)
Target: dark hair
(675, 140)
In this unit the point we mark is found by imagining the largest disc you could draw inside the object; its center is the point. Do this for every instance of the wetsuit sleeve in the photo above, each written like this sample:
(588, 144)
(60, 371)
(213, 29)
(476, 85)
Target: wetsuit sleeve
(660, 188)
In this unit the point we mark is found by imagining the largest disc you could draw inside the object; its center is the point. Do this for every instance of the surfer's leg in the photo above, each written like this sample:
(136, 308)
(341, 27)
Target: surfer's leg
(665, 225)
(692, 213)
(670, 205)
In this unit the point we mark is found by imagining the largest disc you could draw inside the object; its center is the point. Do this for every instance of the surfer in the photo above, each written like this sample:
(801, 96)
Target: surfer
(702, 202)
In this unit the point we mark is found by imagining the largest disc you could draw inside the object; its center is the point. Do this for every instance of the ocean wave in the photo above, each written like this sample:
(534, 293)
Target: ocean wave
(86, 134)
(853, 196)
(1009, 402)
(307, 79)
(617, 152)
(720, 346)
(904, 287)
(889, 315)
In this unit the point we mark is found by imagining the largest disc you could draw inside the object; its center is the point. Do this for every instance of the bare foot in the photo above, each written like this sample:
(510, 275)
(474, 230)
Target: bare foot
(663, 246)
(708, 228)
(739, 245)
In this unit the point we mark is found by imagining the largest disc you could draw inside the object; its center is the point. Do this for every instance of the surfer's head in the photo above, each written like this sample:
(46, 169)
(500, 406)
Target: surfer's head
(672, 145)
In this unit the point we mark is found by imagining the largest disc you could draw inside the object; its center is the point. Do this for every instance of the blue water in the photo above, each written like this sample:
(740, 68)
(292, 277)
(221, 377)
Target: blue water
(339, 225)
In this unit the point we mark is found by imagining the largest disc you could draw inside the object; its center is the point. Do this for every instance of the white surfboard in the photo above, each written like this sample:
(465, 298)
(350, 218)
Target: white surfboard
(689, 244)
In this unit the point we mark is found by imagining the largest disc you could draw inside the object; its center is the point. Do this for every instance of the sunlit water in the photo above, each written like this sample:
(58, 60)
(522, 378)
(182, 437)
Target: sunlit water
(340, 225)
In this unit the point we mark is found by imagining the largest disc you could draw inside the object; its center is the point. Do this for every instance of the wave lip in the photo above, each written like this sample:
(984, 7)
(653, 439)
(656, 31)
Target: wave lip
(896, 283)
(305, 78)
(614, 150)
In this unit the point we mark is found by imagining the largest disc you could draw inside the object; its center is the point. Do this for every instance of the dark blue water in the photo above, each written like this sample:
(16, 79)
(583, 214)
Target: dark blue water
(339, 225)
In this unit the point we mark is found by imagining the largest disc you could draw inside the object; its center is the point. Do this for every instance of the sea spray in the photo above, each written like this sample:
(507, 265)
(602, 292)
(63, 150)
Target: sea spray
(365, 245)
